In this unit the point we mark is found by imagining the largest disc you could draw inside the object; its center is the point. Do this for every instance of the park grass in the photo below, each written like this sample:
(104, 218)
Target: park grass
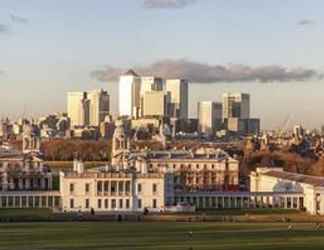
(168, 235)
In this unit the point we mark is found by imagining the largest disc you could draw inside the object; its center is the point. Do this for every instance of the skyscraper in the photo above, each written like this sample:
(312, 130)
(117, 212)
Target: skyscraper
(179, 97)
(209, 116)
(236, 105)
(129, 94)
(78, 108)
(99, 106)
(87, 108)
(156, 103)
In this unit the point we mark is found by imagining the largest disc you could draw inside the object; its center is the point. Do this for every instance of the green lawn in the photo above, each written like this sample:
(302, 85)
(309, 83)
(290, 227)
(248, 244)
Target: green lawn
(114, 235)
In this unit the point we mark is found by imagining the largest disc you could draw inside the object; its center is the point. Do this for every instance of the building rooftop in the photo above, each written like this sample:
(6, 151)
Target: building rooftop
(183, 154)
(131, 72)
(307, 179)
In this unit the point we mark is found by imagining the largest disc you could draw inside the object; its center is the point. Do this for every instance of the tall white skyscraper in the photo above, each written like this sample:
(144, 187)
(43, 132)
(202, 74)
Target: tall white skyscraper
(209, 116)
(236, 105)
(129, 94)
(178, 89)
(78, 108)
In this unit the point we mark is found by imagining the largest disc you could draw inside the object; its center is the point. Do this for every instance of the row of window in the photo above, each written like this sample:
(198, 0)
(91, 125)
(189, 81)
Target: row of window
(104, 203)
(113, 187)
(189, 166)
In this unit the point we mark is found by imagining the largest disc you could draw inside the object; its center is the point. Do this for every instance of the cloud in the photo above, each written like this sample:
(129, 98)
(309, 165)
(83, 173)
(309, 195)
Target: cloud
(167, 4)
(306, 22)
(204, 73)
(18, 19)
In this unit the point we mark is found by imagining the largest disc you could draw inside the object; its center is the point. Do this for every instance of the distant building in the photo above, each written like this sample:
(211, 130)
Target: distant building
(151, 83)
(179, 97)
(236, 105)
(87, 108)
(99, 106)
(236, 114)
(78, 108)
(243, 126)
(209, 117)
(156, 103)
(129, 94)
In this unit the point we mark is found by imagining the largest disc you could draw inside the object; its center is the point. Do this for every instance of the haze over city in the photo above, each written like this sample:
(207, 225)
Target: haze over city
(49, 48)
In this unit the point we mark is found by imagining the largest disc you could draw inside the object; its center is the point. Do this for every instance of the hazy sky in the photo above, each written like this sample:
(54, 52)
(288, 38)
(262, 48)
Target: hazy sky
(50, 47)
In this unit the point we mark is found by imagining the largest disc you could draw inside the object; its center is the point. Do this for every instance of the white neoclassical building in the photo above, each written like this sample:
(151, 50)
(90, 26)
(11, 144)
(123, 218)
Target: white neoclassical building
(308, 189)
(106, 189)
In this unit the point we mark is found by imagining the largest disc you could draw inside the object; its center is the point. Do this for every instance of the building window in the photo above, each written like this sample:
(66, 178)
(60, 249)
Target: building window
(127, 203)
(154, 203)
(106, 203)
(127, 186)
(99, 186)
(87, 187)
(113, 203)
(154, 187)
(197, 166)
(99, 203)
(113, 187)
(87, 203)
(120, 203)
(139, 188)
(71, 187)
(139, 203)
(106, 186)
(71, 203)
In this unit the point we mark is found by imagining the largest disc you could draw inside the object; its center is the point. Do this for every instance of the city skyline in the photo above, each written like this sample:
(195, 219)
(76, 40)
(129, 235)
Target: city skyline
(56, 48)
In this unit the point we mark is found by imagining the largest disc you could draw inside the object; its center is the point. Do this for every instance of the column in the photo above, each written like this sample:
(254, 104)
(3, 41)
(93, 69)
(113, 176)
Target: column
(285, 202)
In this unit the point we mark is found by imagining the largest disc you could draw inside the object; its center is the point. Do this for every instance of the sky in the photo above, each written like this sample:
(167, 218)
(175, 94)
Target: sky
(50, 47)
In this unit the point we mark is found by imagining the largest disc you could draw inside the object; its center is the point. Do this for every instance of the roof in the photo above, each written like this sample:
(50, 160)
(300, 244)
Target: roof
(131, 72)
(307, 179)
(219, 155)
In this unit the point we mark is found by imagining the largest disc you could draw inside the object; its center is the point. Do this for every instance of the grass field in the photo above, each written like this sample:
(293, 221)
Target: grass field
(114, 235)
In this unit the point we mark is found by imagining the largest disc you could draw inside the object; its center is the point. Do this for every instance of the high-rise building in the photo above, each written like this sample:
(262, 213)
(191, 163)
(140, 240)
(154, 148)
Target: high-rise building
(178, 89)
(151, 83)
(156, 103)
(209, 116)
(87, 108)
(78, 108)
(129, 94)
(236, 105)
(99, 106)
